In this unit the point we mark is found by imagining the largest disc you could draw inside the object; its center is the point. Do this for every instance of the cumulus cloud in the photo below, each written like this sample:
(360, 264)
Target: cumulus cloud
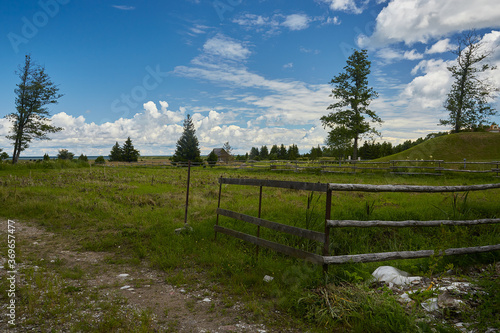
(412, 21)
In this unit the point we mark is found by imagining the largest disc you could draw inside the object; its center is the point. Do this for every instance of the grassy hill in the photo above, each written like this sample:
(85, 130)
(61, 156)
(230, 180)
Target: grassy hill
(478, 146)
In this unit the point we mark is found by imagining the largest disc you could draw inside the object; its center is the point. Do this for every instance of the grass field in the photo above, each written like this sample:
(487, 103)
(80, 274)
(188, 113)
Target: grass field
(134, 211)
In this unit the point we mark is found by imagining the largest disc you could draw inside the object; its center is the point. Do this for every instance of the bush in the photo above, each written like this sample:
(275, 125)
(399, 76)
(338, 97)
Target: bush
(100, 160)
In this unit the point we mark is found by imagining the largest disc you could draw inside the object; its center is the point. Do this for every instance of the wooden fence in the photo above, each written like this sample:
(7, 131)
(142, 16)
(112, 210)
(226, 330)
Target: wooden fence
(408, 167)
(326, 258)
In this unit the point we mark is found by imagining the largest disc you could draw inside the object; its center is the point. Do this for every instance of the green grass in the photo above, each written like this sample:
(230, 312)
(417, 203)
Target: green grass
(473, 146)
(134, 211)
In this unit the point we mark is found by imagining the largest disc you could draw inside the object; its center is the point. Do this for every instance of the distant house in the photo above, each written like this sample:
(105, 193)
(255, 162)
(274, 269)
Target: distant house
(222, 155)
(493, 129)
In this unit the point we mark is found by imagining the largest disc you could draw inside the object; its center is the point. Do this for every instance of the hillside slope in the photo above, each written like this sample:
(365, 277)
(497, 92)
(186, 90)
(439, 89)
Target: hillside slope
(478, 146)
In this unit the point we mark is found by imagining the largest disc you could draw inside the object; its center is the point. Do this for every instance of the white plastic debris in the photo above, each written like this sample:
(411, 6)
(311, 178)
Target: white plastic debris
(123, 275)
(268, 278)
(431, 304)
(206, 299)
(391, 275)
(125, 287)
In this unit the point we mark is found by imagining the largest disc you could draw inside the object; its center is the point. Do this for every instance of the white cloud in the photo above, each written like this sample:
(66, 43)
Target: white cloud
(288, 65)
(353, 6)
(226, 47)
(389, 55)
(296, 22)
(430, 89)
(123, 7)
(411, 21)
(273, 25)
(441, 46)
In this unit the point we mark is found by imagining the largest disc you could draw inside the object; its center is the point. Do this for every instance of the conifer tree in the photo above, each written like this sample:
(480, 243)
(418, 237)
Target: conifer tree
(187, 148)
(129, 153)
(116, 154)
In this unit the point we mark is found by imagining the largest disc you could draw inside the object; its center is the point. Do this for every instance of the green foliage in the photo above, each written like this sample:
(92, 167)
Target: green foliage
(116, 153)
(468, 98)
(3, 155)
(100, 160)
(83, 158)
(187, 147)
(353, 97)
(31, 120)
(474, 146)
(126, 153)
(212, 158)
(46, 157)
(64, 154)
(129, 153)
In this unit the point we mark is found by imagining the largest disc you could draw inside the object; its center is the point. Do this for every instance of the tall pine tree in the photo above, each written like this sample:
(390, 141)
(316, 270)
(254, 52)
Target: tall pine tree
(351, 117)
(187, 148)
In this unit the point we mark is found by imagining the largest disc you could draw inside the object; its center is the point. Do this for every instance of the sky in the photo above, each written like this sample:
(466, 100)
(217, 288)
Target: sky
(250, 73)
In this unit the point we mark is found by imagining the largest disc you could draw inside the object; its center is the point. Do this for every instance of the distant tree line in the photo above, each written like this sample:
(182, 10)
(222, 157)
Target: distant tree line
(275, 153)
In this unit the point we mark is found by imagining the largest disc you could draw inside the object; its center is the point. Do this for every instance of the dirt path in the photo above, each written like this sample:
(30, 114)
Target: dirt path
(92, 282)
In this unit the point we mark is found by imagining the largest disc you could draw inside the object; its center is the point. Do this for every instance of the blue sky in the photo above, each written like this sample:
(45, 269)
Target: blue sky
(249, 72)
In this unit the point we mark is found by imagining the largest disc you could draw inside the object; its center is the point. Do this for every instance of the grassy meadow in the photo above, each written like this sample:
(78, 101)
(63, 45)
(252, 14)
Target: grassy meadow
(134, 211)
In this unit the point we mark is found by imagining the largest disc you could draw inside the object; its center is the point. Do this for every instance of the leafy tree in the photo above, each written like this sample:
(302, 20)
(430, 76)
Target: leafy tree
(129, 153)
(100, 160)
(187, 148)
(46, 157)
(116, 153)
(467, 100)
(353, 96)
(33, 94)
(83, 158)
(3, 155)
(64, 154)
(212, 158)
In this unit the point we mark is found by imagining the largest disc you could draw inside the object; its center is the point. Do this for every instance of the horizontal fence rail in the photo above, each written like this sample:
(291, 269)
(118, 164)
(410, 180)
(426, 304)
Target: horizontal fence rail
(324, 238)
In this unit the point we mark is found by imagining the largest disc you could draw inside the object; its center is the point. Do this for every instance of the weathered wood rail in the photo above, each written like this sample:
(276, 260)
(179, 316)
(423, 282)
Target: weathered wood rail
(407, 167)
(324, 237)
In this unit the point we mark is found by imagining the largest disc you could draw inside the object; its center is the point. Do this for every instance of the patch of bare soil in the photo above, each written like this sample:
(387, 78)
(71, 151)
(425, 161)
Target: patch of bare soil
(136, 287)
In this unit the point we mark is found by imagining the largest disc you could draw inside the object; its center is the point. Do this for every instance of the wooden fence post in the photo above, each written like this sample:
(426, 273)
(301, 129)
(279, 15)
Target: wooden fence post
(258, 227)
(187, 192)
(328, 213)
(218, 206)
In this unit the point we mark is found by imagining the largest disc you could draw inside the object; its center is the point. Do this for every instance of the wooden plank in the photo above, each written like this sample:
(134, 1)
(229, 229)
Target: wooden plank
(318, 187)
(300, 232)
(374, 257)
(410, 188)
(314, 258)
(408, 223)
